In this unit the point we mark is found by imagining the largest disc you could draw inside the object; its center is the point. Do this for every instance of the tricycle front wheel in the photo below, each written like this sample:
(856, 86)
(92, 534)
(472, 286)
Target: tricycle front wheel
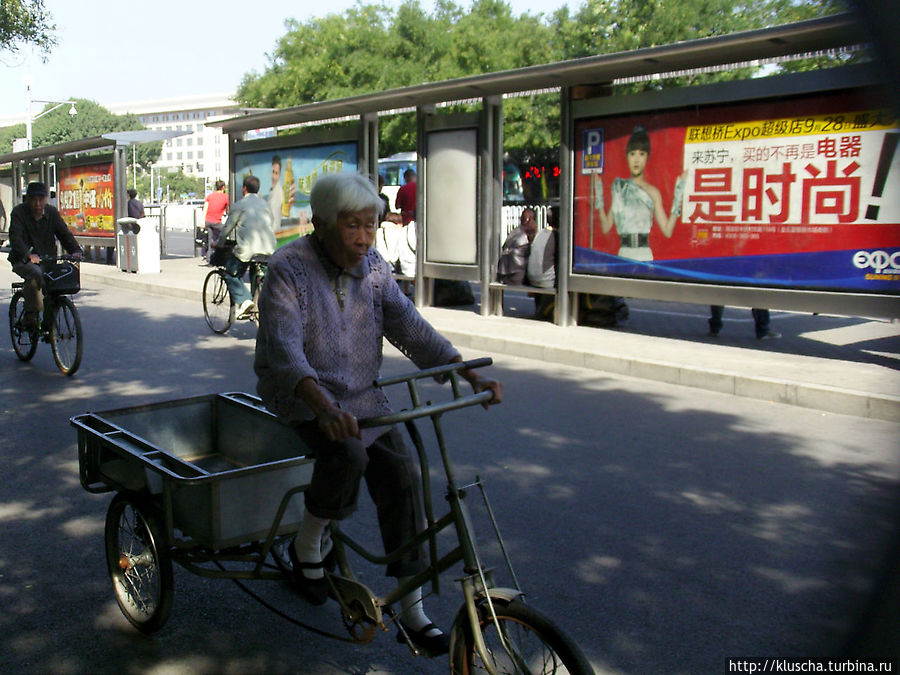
(139, 562)
(521, 642)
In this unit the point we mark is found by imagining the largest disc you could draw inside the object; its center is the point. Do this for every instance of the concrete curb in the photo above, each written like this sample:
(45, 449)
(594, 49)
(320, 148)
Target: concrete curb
(142, 283)
(815, 396)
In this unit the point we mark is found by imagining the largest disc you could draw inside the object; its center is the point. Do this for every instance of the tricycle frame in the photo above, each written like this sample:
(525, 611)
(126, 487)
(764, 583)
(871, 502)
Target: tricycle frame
(484, 605)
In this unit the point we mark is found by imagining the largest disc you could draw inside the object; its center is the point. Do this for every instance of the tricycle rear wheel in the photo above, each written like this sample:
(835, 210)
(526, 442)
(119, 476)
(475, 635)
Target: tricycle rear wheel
(140, 565)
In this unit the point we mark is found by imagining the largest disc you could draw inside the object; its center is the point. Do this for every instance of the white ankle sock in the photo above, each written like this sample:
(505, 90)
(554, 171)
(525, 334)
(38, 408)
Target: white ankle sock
(308, 542)
(413, 612)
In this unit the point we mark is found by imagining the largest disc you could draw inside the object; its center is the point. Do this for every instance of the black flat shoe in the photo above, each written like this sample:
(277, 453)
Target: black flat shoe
(434, 645)
(315, 591)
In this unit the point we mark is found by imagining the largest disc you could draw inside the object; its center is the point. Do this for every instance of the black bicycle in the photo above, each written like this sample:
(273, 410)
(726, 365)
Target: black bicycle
(59, 323)
(218, 307)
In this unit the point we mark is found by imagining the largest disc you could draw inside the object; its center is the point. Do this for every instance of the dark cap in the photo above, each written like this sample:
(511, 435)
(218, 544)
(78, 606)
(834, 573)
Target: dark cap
(36, 190)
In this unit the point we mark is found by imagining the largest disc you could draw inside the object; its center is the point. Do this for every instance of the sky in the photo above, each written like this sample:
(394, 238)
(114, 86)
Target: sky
(115, 52)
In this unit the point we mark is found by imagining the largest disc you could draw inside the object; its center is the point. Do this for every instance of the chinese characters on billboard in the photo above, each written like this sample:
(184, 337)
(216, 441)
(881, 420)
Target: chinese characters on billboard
(286, 177)
(86, 199)
(791, 194)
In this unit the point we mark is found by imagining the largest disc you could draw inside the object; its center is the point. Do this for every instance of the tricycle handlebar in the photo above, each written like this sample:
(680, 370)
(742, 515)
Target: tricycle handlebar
(430, 409)
(434, 372)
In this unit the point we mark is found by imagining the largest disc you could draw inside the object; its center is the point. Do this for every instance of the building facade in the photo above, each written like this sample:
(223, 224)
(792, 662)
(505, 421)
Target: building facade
(201, 152)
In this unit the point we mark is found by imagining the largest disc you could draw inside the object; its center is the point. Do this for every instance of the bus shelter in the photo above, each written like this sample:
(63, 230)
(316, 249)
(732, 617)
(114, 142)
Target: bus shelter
(88, 177)
(767, 192)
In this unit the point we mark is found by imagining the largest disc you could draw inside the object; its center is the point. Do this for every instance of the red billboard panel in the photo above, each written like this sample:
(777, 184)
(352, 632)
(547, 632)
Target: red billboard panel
(86, 199)
(789, 193)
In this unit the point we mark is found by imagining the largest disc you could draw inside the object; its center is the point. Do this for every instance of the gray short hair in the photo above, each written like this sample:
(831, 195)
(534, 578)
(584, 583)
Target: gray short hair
(337, 193)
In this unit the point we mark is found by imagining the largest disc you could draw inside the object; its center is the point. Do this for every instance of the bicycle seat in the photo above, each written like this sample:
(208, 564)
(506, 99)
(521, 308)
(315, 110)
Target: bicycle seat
(260, 258)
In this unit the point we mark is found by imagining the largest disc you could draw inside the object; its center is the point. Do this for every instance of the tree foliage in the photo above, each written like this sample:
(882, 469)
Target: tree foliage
(175, 185)
(26, 22)
(372, 47)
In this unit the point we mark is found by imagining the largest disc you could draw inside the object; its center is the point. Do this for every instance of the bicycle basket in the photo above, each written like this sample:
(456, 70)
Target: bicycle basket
(221, 253)
(63, 278)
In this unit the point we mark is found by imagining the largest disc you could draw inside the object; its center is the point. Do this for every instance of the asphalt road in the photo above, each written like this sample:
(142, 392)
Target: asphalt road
(667, 529)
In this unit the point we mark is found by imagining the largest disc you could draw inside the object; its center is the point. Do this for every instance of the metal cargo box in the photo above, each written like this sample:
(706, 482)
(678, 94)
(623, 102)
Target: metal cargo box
(220, 464)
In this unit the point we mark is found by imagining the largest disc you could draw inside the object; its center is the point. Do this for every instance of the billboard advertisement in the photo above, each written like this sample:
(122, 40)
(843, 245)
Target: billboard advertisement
(784, 194)
(286, 176)
(85, 199)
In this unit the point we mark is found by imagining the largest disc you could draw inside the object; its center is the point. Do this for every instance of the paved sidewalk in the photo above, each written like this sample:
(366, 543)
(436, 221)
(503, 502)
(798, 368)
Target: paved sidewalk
(848, 365)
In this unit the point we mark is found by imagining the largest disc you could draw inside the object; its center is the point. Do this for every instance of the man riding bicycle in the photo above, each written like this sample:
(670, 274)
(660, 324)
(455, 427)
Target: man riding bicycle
(34, 229)
(249, 223)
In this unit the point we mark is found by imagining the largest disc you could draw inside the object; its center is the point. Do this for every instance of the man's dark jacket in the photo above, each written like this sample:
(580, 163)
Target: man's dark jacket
(27, 235)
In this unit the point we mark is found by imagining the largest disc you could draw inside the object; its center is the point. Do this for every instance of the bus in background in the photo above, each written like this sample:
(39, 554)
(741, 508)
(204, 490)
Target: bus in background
(392, 169)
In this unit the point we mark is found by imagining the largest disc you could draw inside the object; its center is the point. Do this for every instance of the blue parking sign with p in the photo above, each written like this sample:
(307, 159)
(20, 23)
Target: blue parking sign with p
(592, 157)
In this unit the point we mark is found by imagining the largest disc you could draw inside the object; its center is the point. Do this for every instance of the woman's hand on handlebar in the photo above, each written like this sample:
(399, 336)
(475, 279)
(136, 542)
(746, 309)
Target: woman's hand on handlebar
(337, 424)
(489, 383)
(481, 383)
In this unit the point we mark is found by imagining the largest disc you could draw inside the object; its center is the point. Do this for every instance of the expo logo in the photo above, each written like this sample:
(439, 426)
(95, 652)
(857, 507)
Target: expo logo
(878, 261)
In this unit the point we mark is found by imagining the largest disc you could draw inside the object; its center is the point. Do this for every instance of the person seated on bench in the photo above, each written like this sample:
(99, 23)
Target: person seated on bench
(541, 268)
(514, 254)
(593, 310)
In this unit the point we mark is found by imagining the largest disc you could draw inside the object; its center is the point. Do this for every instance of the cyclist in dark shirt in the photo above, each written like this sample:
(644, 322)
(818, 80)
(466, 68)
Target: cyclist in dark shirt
(34, 229)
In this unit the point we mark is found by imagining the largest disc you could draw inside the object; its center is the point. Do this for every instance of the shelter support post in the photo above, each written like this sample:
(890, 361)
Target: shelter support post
(422, 291)
(368, 129)
(120, 169)
(491, 202)
(564, 314)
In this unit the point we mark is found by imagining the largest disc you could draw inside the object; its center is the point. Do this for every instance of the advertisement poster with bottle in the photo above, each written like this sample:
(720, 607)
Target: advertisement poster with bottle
(789, 194)
(85, 199)
(286, 177)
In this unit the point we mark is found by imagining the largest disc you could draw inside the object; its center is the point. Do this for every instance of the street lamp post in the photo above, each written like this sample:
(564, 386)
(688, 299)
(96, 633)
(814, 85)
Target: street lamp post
(29, 119)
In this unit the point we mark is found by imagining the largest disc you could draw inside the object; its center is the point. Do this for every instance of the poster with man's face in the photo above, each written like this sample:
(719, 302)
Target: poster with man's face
(286, 177)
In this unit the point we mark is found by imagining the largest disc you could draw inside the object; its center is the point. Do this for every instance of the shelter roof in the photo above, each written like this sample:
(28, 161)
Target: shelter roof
(797, 38)
(112, 139)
